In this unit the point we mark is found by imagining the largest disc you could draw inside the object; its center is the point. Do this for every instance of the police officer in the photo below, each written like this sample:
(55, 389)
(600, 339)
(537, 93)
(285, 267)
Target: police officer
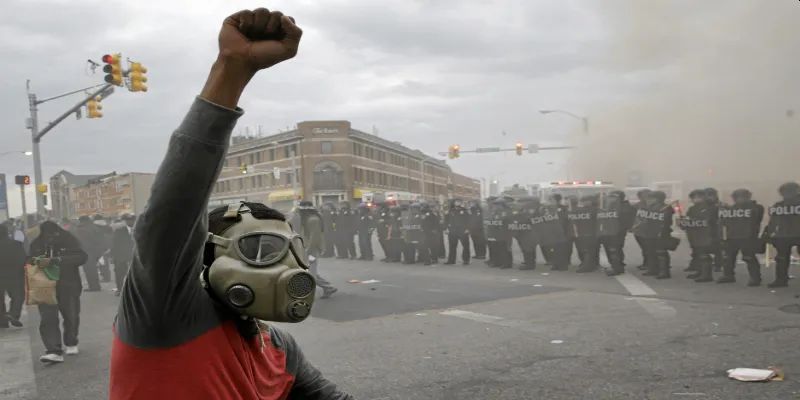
(740, 224)
(500, 237)
(490, 231)
(712, 196)
(653, 225)
(432, 233)
(550, 225)
(476, 229)
(329, 229)
(366, 224)
(521, 229)
(346, 229)
(382, 223)
(583, 220)
(642, 203)
(457, 221)
(700, 226)
(413, 235)
(394, 235)
(612, 224)
(438, 250)
(783, 230)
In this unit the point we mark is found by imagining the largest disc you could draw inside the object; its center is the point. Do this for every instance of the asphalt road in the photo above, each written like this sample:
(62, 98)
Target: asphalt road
(471, 332)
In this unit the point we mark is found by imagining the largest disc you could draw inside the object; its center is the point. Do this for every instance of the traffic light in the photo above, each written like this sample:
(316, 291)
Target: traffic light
(453, 151)
(113, 68)
(93, 108)
(41, 188)
(519, 148)
(137, 77)
(22, 180)
(243, 168)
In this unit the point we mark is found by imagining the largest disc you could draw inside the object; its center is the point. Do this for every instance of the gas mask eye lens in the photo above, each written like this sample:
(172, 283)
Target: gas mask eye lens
(262, 249)
(240, 296)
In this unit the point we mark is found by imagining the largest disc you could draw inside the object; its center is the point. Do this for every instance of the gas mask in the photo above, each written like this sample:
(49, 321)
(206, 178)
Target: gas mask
(260, 269)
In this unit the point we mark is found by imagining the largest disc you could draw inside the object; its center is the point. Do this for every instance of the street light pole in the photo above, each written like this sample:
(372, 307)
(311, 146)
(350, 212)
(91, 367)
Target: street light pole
(583, 119)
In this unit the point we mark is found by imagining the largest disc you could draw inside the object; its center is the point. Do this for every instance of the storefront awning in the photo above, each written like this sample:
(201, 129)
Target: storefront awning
(283, 195)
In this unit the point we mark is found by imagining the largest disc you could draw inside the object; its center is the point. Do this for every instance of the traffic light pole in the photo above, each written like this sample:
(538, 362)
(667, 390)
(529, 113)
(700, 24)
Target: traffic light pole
(104, 90)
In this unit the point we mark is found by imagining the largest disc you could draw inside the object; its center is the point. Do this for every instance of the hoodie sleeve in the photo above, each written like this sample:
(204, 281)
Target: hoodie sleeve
(163, 303)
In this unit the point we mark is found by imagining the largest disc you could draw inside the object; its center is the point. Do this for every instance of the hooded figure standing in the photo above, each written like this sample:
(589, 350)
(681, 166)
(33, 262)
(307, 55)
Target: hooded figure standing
(93, 242)
(12, 278)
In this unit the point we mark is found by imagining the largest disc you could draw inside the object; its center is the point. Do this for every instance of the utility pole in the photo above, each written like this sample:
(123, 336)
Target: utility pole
(24, 207)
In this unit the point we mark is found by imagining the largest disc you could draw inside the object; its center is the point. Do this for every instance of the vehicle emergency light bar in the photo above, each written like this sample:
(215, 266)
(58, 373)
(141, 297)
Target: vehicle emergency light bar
(571, 183)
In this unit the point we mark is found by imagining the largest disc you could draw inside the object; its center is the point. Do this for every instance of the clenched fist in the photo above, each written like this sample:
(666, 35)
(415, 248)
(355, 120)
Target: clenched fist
(248, 42)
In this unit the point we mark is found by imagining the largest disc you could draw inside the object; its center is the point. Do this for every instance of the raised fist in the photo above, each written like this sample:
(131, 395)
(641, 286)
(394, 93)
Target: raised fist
(258, 39)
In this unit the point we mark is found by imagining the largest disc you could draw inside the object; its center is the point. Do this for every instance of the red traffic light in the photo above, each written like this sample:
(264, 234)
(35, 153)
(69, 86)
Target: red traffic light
(22, 179)
(108, 58)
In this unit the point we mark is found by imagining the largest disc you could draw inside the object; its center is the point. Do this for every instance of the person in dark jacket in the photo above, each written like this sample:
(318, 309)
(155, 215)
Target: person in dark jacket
(107, 235)
(174, 337)
(432, 232)
(457, 221)
(394, 236)
(549, 228)
(414, 249)
(783, 230)
(740, 224)
(612, 226)
(346, 230)
(653, 226)
(329, 213)
(583, 224)
(499, 236)
(522, 231)
(92, 240)
(55, 246)
(476, 231)
(12, 279)
(365, 227)
(641, 196)
(122, 250)
(699, 224)
(712, 197)
(382, 223)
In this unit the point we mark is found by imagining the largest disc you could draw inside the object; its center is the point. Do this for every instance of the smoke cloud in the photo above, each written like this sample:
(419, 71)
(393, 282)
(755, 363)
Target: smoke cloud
(722, 110)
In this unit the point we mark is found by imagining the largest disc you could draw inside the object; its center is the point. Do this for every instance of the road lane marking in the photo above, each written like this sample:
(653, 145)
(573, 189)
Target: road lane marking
(634, 285)
(17, 380)
(493, 320)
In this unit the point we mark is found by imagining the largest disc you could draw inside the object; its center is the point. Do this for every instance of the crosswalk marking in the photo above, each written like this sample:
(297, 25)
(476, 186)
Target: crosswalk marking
(634, 285)
(493, 320)
(656, 307)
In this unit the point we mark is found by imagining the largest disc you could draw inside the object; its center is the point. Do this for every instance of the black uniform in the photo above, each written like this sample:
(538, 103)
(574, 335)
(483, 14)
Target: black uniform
(382, 223)
(499, 237)
(740, 224)
(549, 226)
(432, 232)
(329, 230)
(783, 232)
(700, 226)
(653, 227)
(583, 226)
(413, 236)
(612, 225)
(457, 221)
(476, 231)
(366, 224)
(346, 229)
(394, 235)
(521, 229)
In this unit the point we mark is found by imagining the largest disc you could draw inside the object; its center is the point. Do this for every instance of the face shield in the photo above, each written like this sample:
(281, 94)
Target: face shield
(260, 270)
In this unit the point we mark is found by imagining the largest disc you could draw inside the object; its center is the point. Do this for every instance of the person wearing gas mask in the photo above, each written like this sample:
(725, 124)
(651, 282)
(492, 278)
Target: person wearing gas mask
(583, 223)
(382, 223)
(194, 319)
(346, 230)
(329, 214)
(522, 230)
(653, 225)
(783, 230)
(476, 230)
(306, 221)
(740, 224)
(395, 235)
(641, 196)
(611, 228)
(366, 225)
(550, 225)
(432, 230)
(414, 238)
(499, 236)
(699, 225)
(457, 221)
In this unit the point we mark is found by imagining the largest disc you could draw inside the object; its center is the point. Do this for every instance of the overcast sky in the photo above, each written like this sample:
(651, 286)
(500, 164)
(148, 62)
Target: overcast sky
(426, 73)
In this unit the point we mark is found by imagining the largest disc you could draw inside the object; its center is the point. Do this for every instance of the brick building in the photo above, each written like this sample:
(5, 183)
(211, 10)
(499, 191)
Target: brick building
(112, 195)
(333, 163)
(60, 191)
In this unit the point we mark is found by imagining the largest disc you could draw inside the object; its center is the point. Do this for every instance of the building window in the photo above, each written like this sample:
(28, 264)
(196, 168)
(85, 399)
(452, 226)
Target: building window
(327, 147)
(253, 182)
(258, 157)
(260, 181)
(381, 156)
(289, 177)
(271, 155)
(289, 150)
(252, 158)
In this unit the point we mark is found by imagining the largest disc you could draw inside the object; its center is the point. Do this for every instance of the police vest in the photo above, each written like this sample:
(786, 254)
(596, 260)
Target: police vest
(697, 224)
(740, 221)
(609, 222)
(650, 223)
(412, 225)
(784, 220)
(548, 226)
(582, 222)
(496, 227)
(520, 222)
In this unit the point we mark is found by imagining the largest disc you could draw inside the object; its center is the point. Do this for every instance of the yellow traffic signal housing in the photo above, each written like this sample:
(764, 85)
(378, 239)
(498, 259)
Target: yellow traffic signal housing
(243, 169)
(137, 77)
(113, 68)
(519, 148)
(94, 108)
(41, 188)
(456, 151)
